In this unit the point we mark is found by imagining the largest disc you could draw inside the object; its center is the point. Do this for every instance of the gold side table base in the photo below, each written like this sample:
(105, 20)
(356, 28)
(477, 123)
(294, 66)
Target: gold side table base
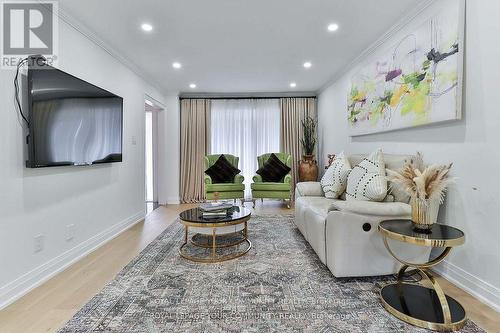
(399, 299)
(420, 306)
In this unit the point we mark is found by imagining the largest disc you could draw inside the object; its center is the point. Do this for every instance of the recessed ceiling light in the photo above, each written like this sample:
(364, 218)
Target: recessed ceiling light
(176, 65)
(293, 85)
(148, 102)
(192, 86)
(147, 27)
(307, 64)
(333, 27)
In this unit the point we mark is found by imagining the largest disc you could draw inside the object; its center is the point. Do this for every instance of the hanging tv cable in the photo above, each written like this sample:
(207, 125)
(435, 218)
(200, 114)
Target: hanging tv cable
(16, 87)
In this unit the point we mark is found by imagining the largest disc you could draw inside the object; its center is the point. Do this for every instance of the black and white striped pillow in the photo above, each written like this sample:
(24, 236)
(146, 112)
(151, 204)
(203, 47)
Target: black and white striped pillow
(367, 180)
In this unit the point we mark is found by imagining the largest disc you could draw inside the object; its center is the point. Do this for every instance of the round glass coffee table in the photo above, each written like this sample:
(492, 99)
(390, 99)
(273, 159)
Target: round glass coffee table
(215, 239)
(413, 303)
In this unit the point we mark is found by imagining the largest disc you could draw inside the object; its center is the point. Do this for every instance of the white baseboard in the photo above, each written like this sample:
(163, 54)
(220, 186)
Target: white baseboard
(482, 290)
(27, 282)
(173, 201)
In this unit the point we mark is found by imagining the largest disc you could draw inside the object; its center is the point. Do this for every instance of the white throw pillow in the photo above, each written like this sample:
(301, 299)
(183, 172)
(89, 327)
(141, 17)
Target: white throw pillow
(367, 180)
(334, 181)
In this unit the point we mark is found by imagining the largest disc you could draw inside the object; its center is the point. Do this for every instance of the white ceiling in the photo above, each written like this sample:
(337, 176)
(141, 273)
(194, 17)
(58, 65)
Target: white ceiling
(239, 46)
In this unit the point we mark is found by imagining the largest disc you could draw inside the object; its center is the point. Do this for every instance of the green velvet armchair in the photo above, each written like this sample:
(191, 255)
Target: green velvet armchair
(267, 190)
(234, 190)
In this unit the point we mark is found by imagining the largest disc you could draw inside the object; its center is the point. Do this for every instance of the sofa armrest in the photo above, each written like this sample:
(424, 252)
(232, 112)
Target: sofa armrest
(396, 209)
(257, 179)
(238, 179)
(309, 189)
(208, 179)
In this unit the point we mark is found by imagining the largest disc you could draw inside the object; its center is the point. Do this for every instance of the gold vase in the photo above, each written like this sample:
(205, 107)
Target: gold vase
(424, 213)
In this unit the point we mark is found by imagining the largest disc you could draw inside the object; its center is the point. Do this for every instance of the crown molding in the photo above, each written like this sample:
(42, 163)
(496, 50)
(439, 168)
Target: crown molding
(92, 36)
(248, 95)
(403, 22)
(154, 100)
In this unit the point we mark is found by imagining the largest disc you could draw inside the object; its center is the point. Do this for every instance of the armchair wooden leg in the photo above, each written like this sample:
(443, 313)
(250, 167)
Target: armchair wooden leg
(242, 202)
(253, 201)
(262, 200)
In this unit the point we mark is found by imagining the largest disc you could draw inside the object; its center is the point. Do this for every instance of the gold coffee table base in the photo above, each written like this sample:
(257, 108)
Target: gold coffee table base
(215, 259)
(212, 244)
(209, 245)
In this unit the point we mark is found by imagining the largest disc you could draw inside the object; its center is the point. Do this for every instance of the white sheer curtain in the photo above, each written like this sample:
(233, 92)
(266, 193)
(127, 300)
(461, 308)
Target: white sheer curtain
(245, 128)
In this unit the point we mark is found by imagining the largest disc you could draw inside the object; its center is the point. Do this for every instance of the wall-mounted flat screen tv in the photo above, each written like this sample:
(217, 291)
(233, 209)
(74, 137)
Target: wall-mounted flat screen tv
(71, 122)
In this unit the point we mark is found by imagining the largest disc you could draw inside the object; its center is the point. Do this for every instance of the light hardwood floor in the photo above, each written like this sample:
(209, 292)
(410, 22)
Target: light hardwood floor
(49, 306)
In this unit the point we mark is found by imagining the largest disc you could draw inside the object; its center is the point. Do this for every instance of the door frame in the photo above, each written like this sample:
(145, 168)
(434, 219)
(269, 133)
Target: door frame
(153, 106)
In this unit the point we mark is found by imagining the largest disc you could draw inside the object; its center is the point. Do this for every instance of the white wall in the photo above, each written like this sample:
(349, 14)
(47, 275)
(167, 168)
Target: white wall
(471, 144)
(169, 152)
(99, 200)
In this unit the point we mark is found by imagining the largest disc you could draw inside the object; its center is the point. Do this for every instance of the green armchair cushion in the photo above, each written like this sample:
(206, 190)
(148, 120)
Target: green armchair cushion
(222, 171)
(273, 170)
(227, 187)
(268, 186)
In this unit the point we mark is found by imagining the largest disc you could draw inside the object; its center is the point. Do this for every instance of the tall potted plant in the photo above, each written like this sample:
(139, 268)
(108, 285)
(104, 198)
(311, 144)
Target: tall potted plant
(308, 166)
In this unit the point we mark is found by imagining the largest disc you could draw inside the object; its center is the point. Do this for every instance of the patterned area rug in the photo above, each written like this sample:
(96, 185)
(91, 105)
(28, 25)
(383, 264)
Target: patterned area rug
(279, 286)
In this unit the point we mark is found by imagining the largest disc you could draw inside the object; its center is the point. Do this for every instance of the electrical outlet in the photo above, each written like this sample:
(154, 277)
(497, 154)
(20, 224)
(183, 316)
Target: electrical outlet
(70, 232)
(38, 244)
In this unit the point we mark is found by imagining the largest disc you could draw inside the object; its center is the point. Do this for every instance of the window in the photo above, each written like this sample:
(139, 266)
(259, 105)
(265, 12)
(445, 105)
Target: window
(245, 128)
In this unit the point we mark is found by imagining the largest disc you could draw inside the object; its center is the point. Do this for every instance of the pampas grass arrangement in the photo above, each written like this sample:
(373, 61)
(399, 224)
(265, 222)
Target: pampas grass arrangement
(422, 182)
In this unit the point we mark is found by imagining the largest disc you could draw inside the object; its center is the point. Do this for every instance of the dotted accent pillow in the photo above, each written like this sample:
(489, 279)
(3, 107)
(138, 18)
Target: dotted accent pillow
(367, 180)
(334, 181)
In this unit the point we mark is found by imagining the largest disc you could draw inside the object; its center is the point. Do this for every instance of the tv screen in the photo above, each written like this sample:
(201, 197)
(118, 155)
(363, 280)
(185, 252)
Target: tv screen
(71, 122)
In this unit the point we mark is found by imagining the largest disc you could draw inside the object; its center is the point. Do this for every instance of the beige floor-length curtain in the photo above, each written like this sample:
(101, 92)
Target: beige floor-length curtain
(195, 144)
(293, 111)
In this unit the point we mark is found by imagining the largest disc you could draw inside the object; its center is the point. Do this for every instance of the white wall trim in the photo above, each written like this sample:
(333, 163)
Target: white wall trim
(92, 36)
(482, 290)
(173, 201)
(184, 95)
(29, 281)
(403, 22)
(156, 102)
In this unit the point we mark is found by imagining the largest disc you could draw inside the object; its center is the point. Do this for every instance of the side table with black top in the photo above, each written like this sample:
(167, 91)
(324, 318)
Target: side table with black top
(411, 302)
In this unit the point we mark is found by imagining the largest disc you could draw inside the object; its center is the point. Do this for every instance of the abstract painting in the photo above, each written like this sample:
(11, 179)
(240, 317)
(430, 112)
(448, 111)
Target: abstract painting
(415, 82)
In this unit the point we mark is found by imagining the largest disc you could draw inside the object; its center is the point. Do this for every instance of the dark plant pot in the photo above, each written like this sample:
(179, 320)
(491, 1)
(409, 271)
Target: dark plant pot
(308, 169)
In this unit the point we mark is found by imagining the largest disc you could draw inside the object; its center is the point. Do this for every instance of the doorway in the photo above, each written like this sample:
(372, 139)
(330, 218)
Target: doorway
(151, 154)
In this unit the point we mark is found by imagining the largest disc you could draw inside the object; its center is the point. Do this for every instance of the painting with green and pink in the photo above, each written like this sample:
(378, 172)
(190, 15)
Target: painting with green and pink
(416, 79)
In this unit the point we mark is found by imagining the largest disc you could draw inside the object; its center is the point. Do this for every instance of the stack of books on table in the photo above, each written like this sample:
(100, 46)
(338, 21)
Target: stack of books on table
(216, 209)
